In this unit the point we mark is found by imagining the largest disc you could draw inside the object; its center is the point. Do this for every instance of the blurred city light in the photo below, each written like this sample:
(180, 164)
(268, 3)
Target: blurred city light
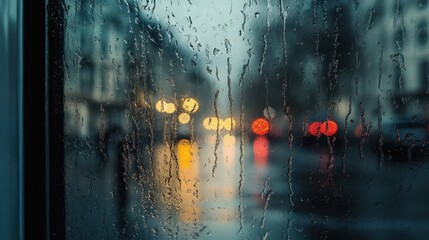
(229, 124)
(260, 126)
(329, 128)
(228, 140)
(314, 128)
(269, 112)
(190, 105)
(165, 107)
(184, 118)
(358, 131)
(160, 105)
(184, 154)
(187, 157)
(170, 108)
(213, 123)
(261, 150)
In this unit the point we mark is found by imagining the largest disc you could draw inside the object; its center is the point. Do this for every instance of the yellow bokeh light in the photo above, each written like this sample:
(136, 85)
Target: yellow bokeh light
(184, 153)
(184, 118)
(228, 149)
(221, 124)
(229, 124)
(165, 107)
(213, 123)
(160, 105)
(187, 156)
(190, 105)
(228, 140)
(170, 108)
(141, 101)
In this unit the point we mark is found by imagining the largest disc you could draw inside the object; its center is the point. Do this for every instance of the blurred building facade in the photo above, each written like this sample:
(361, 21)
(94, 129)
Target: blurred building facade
(395, 58)
(95, 59)
(119, 64)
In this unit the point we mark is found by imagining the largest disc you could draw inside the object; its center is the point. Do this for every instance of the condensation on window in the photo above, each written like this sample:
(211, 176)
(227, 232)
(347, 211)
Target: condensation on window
(246, 119)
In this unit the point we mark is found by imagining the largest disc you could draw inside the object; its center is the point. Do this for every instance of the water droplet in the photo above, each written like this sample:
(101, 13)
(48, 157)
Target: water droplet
(216, 51)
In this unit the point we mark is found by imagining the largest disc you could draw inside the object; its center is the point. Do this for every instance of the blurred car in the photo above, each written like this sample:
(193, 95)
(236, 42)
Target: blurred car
(404, 141)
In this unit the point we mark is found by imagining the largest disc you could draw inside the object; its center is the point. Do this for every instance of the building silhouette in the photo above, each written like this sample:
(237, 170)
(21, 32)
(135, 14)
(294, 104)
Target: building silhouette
(394, 63)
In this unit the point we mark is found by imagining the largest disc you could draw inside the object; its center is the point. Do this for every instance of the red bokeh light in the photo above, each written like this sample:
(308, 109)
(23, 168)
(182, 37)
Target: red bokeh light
(314, 128)
(329, 128)
(261, 147)
(359, 131)
(260, 126)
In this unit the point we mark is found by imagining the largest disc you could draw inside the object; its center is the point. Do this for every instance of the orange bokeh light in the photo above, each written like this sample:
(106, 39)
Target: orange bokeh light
(329, 128)
(260, 126)
(314, 128)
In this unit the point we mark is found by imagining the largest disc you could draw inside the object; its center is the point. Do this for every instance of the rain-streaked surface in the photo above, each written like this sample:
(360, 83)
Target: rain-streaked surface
(246, 119)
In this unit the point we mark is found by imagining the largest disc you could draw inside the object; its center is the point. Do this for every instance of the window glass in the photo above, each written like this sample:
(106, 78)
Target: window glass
(245, 119)
(10, 120)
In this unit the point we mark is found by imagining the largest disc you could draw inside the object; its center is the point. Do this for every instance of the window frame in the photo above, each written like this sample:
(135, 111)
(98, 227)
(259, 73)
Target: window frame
(43, 175)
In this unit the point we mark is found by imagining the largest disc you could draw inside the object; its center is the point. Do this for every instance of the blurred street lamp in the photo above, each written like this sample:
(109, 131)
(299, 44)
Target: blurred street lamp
(314, 129)
(190, 105)
(165, 107)
(260, 126)
(229, 124)
(329, 128)
(213, 123)
(184, 118)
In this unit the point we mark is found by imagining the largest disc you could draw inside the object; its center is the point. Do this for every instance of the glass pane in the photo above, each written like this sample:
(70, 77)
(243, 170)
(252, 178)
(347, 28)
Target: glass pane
(10, 120)
(246, 119)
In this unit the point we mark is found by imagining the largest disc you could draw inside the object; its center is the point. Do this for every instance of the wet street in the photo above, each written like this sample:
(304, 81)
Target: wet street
(216, 188)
